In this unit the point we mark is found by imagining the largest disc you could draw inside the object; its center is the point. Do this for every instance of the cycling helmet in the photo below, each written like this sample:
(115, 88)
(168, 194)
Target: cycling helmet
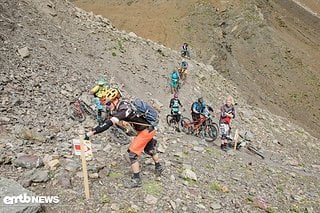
(200, 100)
(175, 95)
(113, 94)
(184, 64)
(102, 82)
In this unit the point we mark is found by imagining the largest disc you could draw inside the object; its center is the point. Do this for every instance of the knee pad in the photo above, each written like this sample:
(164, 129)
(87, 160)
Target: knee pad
(133, 157)
(150, 148)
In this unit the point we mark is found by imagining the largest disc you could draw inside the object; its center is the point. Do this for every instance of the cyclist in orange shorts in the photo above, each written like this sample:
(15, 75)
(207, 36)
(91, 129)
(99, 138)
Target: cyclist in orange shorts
(144, 140)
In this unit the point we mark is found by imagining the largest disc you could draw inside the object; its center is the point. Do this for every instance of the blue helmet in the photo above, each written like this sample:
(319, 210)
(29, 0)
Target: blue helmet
(101, 82)
(184, 64)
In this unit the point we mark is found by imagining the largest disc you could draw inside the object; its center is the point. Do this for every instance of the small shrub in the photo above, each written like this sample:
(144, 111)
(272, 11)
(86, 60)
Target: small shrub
(215, 186)
(152, 188)
(105, 199)
(115, 175)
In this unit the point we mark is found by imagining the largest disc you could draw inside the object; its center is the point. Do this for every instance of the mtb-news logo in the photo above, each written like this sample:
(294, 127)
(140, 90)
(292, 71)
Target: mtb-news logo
(25, 199)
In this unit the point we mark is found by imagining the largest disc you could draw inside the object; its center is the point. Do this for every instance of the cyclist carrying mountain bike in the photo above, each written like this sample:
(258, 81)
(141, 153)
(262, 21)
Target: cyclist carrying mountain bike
(174, 105)
(183, 70)
(144, 140)
(227, 112)
(99, 92)
(185, 52)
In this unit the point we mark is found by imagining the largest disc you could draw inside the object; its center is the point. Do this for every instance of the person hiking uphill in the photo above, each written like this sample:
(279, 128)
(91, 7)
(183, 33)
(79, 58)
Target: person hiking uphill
(183, 70)
(99, 92)
(227, 112)
(185, 50)
(174, 106)
(144, 141)
(175, 78)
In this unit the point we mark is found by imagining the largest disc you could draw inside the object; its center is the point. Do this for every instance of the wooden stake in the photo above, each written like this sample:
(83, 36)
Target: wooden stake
(84, 169)
(235, 139)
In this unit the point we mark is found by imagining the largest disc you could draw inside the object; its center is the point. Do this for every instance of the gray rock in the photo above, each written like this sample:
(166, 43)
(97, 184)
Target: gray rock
(189, 174)
(198, 148)
(10, 188)
(216, 206)
(150, 199)
(28, 161)
(37, 176)
(71, 165)
(24, 52)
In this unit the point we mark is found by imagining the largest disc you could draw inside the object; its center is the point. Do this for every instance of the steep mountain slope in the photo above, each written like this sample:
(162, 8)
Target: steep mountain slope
(69, 50)
(269, 49)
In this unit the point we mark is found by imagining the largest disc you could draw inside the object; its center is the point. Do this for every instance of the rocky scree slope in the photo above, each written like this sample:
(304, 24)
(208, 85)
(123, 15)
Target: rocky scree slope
(269, 49)
(50, 51)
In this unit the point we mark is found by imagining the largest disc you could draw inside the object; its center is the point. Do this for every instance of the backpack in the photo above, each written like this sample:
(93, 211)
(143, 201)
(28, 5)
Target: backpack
(193, 105)
(175, 75)
(148, 112)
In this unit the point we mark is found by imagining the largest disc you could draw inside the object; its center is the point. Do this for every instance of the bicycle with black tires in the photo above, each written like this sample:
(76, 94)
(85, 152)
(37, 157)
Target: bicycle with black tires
(173, 121)
(78, 109)
(242, 141)
(204, 127)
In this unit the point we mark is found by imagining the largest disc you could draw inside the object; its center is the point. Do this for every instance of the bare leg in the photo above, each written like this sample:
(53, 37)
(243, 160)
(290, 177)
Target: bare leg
(155, 158)
(135, 167)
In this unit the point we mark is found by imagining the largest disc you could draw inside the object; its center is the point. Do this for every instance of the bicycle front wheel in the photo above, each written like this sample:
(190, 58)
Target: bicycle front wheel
(87, 109)
(169, 120)
(210, 133)
(186, 125)
(75, 112)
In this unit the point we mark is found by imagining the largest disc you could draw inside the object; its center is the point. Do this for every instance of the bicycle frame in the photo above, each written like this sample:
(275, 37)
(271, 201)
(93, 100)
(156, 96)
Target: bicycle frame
(195, 125)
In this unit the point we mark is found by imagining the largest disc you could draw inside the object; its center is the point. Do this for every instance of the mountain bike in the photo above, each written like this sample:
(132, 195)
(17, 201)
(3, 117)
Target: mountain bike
(247, 143)
(203, 127)
(173, 122)
(77, 110)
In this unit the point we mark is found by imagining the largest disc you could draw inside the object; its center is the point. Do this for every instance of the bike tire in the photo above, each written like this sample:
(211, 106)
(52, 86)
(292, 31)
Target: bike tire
(172, 123)
(255, 151)
(87, 109)
(169, 118)
(75, 112)
(210, 133)
(186, 125)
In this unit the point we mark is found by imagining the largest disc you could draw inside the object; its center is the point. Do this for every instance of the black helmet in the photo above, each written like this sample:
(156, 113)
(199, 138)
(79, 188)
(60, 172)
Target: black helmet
(200, 100)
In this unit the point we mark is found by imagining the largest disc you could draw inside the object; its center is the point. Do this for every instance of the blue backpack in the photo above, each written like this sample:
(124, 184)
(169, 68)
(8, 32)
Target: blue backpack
(144, 109)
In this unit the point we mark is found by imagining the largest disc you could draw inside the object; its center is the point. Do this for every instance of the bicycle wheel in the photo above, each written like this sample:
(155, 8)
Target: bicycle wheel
(169, 120)
(75, 112)
(255, 151)
(209, 132)
(87, 109)
(186, 125)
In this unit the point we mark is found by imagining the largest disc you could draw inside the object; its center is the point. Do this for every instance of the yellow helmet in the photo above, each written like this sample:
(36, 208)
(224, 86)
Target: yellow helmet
(112, 94)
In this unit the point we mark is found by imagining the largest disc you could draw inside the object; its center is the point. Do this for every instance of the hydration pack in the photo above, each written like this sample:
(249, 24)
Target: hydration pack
(175, 75)
(148, 112)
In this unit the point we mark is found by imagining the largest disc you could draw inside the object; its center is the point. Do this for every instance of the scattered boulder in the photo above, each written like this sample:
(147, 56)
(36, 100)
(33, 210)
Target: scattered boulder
(28, 161)
(9, 189)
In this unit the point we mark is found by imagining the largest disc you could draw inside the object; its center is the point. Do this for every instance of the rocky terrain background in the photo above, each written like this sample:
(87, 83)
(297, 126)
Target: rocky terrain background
(51, 51)
(269, 49)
